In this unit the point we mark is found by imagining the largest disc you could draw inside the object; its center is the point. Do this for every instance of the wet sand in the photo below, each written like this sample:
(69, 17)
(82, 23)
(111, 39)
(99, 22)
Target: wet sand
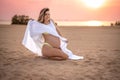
(99, 45)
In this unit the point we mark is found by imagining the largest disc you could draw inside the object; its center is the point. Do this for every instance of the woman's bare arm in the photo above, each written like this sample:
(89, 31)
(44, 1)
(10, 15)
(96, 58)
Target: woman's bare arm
(59, 31)
(57, 27)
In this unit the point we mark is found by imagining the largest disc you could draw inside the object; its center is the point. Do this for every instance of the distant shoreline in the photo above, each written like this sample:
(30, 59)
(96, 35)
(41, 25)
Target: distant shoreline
(20, 25)
(72, 23)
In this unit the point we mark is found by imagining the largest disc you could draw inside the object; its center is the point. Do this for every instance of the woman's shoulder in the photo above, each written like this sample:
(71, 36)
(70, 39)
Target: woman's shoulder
(32, 21)
(51, 20)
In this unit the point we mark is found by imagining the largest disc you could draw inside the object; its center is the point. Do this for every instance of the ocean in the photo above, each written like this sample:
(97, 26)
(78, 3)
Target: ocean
(74, 23)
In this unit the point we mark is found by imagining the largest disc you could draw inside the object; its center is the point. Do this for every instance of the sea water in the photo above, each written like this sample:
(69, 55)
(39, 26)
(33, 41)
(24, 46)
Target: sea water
(74, 23)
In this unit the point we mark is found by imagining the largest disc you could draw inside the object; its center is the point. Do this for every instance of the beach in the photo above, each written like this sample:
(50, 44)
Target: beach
(99, 46)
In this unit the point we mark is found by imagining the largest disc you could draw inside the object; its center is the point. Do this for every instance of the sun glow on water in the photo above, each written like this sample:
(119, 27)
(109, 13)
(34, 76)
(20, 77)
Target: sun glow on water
(91, 23)
(81, 23)
(94, 23)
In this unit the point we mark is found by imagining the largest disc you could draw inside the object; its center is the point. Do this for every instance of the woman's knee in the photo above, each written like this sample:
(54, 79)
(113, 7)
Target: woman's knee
(46, 50)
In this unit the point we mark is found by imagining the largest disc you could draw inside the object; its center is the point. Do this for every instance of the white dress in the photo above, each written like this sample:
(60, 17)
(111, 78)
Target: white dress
(34, 40)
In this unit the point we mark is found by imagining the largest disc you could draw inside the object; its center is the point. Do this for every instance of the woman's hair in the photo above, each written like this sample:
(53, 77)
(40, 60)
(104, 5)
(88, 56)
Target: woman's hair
(42, 14)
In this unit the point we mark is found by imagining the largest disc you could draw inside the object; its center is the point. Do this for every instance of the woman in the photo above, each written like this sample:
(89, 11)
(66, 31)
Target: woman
(43, 38)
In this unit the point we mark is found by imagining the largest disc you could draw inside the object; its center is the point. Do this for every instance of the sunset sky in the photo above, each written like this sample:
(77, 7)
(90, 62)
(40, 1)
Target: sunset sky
(62, 10)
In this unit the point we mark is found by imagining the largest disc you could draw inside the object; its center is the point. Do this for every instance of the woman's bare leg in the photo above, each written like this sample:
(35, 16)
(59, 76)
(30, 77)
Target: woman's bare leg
(53, 53)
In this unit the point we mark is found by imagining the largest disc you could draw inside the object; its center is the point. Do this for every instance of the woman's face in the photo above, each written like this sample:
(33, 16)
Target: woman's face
(47, 16)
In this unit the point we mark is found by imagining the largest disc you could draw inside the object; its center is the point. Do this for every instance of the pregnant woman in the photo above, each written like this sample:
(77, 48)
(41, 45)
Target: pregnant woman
(43, 38)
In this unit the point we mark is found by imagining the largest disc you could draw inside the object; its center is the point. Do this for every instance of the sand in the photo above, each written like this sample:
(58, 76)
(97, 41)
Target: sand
(99, 45)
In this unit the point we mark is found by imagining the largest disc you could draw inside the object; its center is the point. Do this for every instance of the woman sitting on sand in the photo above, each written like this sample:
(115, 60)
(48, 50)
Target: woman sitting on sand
(43, 38)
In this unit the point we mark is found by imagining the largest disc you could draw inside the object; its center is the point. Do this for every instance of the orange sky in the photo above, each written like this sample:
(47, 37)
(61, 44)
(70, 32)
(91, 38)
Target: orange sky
(61, 10)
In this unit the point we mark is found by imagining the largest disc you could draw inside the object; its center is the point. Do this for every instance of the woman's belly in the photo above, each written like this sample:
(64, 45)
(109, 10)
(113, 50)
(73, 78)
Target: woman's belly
(52, 40)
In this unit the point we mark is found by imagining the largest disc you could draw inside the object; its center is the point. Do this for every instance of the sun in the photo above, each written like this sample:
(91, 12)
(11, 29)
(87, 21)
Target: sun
(94, 3)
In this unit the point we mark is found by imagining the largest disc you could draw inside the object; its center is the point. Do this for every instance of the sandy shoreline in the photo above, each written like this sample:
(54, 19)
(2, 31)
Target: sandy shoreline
(99, 45)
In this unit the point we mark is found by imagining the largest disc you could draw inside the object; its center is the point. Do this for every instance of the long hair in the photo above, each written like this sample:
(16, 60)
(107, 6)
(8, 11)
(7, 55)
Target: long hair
(42, 14)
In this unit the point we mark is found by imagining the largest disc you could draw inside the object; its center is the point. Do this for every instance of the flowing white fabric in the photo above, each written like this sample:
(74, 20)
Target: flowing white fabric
(33, 39)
